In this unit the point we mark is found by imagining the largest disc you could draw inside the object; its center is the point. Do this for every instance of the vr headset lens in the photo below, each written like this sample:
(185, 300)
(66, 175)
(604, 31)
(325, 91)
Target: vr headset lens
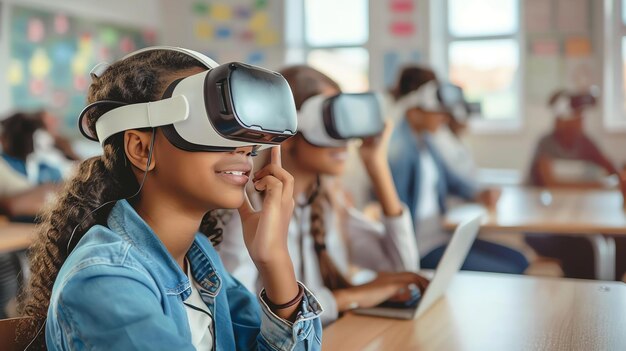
(450, 96)
(262, 100)
(354, 116)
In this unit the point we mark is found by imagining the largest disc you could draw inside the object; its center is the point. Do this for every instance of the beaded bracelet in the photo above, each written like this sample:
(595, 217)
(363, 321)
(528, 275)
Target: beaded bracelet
(295, 300)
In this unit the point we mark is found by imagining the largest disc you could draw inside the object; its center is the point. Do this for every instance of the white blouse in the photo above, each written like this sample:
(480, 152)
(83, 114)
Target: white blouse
(199, 317)
(363, 248)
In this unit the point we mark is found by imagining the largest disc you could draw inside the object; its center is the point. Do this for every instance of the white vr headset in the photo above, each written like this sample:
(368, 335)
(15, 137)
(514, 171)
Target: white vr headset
(331, 121)
(228, 106)
(439, 97)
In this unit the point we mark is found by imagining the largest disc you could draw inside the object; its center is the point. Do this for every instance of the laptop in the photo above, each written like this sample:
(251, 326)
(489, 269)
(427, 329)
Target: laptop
(448, 266)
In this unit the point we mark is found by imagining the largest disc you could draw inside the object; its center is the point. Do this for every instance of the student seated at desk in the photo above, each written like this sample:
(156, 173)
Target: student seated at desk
(25, 186)
(424, 182)
(568, 158)
(25, 181)
(335, 249)
(119, 263)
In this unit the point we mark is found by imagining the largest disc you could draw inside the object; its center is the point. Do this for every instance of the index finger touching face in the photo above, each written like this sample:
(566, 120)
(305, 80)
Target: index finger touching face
(275, 156)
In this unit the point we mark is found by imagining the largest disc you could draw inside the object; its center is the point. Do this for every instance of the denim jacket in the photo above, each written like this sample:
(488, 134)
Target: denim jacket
(121, 290)
(405, 164)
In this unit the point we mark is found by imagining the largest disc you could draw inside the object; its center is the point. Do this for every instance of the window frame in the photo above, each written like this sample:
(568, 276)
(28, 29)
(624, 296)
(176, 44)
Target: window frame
(440, 50)
(614, 114)
(298, 48)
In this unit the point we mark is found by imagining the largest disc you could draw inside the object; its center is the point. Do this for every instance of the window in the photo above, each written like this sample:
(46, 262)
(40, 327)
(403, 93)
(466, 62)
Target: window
(481, 53)
(329, 35)
(614, 98)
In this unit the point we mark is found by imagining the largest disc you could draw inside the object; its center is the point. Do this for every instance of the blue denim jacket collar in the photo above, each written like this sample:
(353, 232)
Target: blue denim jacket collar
(125, 221)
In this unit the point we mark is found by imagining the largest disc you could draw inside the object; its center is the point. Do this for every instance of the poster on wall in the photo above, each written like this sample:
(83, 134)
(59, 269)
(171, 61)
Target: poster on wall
(51, 54)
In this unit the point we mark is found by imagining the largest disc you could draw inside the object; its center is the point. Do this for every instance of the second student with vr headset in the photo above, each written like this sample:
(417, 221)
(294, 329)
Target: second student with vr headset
(119, 263)
(347, 260)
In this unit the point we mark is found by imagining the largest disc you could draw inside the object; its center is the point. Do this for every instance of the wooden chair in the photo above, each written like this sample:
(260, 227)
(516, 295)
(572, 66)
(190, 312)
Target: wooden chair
(8, 335)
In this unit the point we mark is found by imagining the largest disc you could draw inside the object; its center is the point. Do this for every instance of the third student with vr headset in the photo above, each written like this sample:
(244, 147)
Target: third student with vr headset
(567, 157)
(424, 180)
(347, 260)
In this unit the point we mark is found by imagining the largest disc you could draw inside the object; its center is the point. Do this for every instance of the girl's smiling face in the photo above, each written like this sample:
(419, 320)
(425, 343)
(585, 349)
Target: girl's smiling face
(209, 179)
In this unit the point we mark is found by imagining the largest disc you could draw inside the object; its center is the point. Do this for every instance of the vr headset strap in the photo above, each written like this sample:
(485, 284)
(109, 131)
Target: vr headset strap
(143, 115)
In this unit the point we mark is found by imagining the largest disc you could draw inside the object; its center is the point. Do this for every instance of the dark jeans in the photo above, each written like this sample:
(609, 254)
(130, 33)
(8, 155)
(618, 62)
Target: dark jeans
(484, 256)
(576, 254)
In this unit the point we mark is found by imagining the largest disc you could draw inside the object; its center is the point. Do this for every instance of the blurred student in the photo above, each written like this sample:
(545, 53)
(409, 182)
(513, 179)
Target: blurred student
(25, 187)
(424, 181)
(568, 158)
(337, 251)
(26, 182)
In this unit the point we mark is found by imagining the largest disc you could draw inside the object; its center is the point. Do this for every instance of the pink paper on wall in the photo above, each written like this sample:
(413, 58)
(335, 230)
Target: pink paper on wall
(402, 6)
(402, 29)
(545, 47)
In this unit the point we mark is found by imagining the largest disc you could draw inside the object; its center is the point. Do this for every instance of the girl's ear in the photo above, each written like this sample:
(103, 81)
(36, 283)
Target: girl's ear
(137, 149)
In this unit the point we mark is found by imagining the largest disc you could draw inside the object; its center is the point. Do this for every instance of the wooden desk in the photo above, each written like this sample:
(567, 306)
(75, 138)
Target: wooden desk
(16, 236)
(486, 311)
(556, 211)
(533, 210)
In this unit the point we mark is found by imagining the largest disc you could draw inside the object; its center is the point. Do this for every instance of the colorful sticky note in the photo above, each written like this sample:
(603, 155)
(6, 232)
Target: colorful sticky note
(36, 30)
(200, 8)
(203, 30)
(37, 87)
(243, 12)
(578, 47)
(400, 6)
(40, 64)
(259, 21)
(260, 4)
(221, 12)
(402, 29)
(15, 74)
(267, 38)
(246, 36)
(545, 47)
(256, 58)
(61, 24)
(223, 32)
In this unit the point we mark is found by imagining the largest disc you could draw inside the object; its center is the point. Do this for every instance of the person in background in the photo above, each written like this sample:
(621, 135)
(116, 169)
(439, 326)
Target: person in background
(448, 137)
(568, 158)
(26, 182)
(25, 187)
(424, 182)
(346, 259)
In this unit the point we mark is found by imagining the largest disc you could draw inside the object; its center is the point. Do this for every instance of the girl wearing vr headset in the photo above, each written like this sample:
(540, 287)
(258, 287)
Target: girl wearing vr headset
(119, 263)
(335, 249)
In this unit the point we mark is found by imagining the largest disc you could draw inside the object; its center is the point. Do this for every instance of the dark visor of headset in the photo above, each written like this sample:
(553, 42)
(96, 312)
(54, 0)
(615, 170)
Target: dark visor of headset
(348, 116)
(248, 103)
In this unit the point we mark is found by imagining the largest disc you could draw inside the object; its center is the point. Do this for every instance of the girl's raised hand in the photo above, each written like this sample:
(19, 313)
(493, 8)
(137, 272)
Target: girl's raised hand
(373, 150)
(265, 232)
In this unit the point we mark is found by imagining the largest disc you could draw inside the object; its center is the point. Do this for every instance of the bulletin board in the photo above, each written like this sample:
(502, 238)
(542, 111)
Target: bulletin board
(236, 30)
(51, 54)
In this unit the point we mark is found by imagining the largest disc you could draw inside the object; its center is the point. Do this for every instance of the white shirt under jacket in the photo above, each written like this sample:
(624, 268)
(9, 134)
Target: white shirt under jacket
(363, 248)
